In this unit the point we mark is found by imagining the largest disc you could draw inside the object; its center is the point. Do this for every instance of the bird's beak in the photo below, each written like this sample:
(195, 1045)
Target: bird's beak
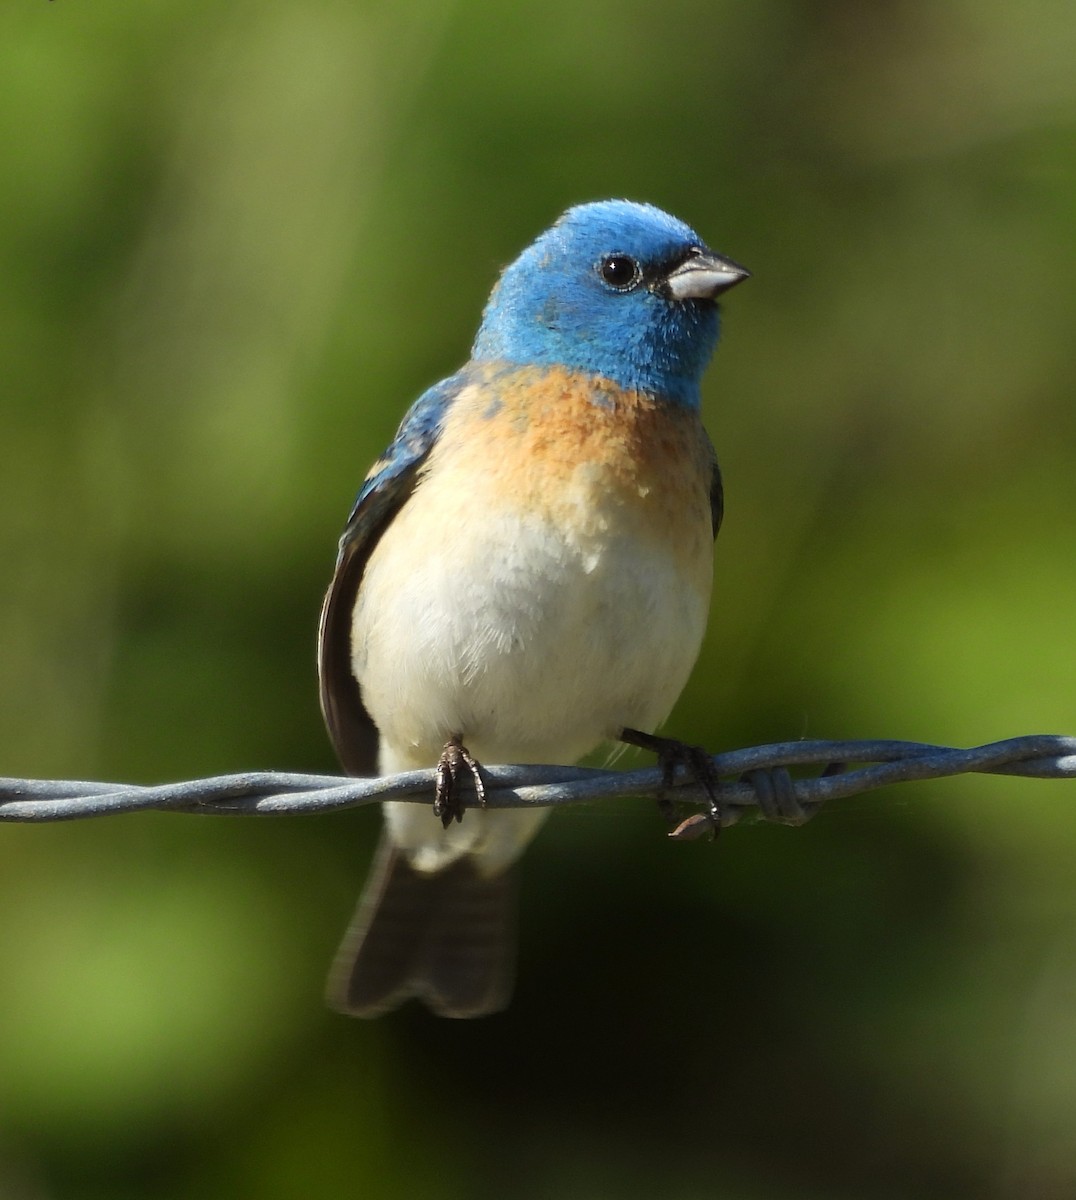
(703, 276)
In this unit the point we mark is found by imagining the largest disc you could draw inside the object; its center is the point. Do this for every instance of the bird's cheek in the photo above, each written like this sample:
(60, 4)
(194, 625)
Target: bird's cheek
(549, 313)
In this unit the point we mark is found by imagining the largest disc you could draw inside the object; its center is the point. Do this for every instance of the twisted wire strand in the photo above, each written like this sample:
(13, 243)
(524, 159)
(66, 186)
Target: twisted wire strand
(740, 790)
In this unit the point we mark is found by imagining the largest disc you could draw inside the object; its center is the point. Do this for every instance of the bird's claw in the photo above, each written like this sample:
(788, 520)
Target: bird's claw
(448, 804)
(695, 759)
(698, 825)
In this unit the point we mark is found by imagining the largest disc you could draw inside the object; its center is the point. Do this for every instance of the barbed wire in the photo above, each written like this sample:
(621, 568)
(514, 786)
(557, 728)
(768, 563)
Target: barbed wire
(757, 778)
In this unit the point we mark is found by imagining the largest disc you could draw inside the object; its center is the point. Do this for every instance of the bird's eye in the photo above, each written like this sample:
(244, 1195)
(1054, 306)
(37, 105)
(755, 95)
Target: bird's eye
(620, 271)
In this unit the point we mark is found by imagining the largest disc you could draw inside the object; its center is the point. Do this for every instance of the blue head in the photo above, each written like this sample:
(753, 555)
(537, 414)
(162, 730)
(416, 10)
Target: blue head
(615, 289)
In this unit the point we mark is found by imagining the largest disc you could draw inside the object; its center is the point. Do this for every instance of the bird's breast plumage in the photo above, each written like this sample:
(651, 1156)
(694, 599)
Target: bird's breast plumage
(584, 454)
(548, 581)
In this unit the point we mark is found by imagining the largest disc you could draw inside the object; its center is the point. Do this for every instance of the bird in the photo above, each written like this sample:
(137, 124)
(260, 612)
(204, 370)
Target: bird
(524, 577)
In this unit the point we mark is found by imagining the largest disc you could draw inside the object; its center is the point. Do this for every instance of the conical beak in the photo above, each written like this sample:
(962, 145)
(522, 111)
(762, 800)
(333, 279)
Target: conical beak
(703, 276)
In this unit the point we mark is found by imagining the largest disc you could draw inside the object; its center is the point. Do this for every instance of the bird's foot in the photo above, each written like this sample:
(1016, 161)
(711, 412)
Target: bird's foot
(447, 802)
(671, 755)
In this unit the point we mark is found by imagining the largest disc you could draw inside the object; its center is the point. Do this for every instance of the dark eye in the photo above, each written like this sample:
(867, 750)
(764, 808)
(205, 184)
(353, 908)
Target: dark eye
(619, 271)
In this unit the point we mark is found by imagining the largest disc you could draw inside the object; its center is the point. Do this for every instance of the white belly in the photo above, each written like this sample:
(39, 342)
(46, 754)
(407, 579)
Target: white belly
(525, 647)
(531, 642)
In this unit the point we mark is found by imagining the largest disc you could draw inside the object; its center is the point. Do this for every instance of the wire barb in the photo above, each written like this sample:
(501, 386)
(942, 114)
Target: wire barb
(881, 763)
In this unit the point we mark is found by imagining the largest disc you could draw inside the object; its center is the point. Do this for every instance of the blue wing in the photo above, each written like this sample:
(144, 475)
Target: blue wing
(385, 490)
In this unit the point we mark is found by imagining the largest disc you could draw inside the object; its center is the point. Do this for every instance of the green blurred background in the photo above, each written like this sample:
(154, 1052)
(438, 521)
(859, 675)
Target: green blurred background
(236, 240)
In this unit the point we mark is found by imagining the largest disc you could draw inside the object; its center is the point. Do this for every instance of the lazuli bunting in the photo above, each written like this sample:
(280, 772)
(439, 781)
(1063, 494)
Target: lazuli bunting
(525, 575)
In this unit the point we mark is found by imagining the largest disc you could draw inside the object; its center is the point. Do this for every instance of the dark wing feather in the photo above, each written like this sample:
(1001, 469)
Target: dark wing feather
(716, 491)
(717, 498)
(387, 487)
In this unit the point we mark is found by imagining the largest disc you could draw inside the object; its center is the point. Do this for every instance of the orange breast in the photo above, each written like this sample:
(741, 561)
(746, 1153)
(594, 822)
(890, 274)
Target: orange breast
(584, 454)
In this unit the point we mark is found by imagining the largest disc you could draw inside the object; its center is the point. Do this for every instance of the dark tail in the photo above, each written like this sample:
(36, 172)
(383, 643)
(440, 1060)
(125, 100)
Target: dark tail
(447, 938)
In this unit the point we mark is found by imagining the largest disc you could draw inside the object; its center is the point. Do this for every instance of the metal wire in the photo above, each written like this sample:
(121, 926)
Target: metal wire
(747, 781)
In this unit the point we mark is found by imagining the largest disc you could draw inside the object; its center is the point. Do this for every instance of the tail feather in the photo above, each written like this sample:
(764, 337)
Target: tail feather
(447, 938)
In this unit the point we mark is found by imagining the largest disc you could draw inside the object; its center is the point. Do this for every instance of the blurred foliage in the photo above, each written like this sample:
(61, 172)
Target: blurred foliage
(235, 242)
